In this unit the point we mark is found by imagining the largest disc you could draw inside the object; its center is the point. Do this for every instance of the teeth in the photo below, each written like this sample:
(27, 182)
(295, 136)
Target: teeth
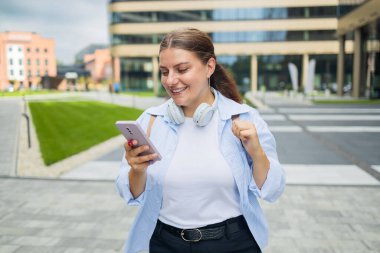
(178, 90)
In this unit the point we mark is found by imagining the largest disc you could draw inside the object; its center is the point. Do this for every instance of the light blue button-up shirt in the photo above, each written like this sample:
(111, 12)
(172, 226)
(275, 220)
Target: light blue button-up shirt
(164, 135)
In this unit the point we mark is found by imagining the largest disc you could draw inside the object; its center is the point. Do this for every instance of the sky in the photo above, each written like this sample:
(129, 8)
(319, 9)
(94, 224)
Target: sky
(73, 24)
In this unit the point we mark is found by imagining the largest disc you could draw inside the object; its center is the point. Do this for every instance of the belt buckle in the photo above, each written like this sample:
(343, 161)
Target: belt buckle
(187, 240)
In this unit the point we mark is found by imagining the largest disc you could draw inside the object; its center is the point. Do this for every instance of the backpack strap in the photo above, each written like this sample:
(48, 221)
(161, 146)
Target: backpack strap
(151, 121)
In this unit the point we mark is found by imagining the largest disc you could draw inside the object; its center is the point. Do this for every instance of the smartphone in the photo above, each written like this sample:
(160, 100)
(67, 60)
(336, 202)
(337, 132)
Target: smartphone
(133, 131)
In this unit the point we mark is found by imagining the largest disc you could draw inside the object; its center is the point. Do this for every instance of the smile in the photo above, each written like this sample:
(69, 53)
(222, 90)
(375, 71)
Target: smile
(178, 90)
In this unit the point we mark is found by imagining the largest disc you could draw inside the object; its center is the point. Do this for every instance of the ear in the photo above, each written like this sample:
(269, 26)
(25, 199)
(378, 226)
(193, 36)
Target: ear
(211, 64)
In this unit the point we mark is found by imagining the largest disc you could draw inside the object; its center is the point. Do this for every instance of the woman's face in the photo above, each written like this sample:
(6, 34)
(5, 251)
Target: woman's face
(184, 77)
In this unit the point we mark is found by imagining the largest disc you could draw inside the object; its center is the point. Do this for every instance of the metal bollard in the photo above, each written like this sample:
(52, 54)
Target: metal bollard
(28, 128)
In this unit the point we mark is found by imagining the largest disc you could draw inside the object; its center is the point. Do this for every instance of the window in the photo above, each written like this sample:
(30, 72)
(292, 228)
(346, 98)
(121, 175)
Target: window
(20, 61)
(45, 50)
(10, 61)
(38, 62)
(29, 73)
(28, 49)
(28, 62)
(38, 73)
(46, 62)
(10, 49)
(21, 73)
(19, 49)
(37, 50)
(11, 72)
(46, 73)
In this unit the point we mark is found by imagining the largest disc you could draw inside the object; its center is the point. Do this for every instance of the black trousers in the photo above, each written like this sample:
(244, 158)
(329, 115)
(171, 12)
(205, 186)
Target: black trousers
(240, 241)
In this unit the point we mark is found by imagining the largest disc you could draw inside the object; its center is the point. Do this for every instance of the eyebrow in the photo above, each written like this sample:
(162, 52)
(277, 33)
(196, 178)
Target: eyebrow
(176, 64)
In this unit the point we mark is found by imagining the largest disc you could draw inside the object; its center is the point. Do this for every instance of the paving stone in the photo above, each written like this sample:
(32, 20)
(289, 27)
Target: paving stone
(91, 243)
(35, 241)
(39, 249)
(8, 248)
(74, 250)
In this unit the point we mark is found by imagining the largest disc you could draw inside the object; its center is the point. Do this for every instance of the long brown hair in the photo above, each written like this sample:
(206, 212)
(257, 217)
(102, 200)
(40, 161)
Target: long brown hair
(200, 43)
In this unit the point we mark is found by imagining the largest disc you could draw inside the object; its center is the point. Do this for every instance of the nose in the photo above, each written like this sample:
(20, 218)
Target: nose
(171, 78)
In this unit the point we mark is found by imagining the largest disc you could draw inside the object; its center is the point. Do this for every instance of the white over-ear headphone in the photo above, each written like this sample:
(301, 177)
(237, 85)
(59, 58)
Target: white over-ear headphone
(202, 114)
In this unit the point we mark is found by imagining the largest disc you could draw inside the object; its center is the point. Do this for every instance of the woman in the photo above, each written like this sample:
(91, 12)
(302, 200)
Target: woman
(218, 157)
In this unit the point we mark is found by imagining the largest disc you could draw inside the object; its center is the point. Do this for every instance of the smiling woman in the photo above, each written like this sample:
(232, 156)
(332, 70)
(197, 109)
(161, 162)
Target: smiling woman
(218, 157)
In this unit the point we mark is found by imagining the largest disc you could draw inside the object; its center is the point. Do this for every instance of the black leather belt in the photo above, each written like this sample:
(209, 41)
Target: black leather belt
(210, 232)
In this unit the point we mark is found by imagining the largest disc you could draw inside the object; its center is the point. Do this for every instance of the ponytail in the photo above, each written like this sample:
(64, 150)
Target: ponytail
(222, 81)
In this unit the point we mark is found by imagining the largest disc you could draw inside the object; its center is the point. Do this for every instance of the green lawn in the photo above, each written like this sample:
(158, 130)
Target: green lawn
(139, 93)
(27, 92)
(66, 128)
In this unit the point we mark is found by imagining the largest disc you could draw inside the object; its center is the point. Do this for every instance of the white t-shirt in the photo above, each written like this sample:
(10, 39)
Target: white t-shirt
(199, 188)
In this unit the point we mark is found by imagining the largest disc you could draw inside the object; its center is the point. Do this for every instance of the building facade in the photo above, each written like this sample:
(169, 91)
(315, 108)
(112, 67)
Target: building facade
(25, 57)
(90, 49)
(99, 64)
(255, 40)
(362, 23)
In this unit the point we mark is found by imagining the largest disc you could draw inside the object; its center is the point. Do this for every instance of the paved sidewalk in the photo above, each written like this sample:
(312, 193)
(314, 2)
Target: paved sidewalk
(67, 216)
(10, 117)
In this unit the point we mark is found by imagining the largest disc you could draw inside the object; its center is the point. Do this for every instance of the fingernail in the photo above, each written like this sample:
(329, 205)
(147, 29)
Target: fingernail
(130, 143)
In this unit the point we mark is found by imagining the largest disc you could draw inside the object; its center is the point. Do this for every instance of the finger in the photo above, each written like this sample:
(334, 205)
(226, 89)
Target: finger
(246, 134)
(238, 126)
(127, 147)
(141, 161)
(139, 166)
(130, 143)
(235, 131)
(242, 125)
(146, 158)
(138, 150)
(133, 151)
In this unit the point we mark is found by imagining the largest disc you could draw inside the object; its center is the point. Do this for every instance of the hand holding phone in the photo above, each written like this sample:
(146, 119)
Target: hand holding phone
(132, 131)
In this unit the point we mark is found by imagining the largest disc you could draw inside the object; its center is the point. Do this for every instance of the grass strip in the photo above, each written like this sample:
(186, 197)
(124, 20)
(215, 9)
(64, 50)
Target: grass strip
(67, 128)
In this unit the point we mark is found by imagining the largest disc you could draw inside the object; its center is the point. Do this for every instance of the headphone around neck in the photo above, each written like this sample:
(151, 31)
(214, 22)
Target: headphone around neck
(202, 115)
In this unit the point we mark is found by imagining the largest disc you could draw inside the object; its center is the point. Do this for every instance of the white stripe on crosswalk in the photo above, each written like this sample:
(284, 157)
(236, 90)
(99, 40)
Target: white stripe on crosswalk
(376, 167)
(327, 175)
(273, 117)
(326, 129)
(329, 110)
(334, 117)
(285, 129)
(344, 129)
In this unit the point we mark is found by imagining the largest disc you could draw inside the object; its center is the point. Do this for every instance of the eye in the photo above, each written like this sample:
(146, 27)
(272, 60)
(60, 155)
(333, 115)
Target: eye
(164, 73)
(182, 70)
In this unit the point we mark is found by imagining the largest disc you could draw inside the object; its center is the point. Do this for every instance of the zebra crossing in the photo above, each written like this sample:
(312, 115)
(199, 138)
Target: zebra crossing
(314, 143)
(358, 122)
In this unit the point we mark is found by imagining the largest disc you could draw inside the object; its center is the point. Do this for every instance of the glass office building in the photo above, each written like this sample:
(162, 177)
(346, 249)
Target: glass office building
(360, 22)
(255, 40)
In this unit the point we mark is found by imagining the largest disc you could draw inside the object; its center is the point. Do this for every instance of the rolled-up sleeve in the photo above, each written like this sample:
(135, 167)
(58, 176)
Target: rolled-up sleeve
(122, 181)
(123, 187)
(274, 184)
